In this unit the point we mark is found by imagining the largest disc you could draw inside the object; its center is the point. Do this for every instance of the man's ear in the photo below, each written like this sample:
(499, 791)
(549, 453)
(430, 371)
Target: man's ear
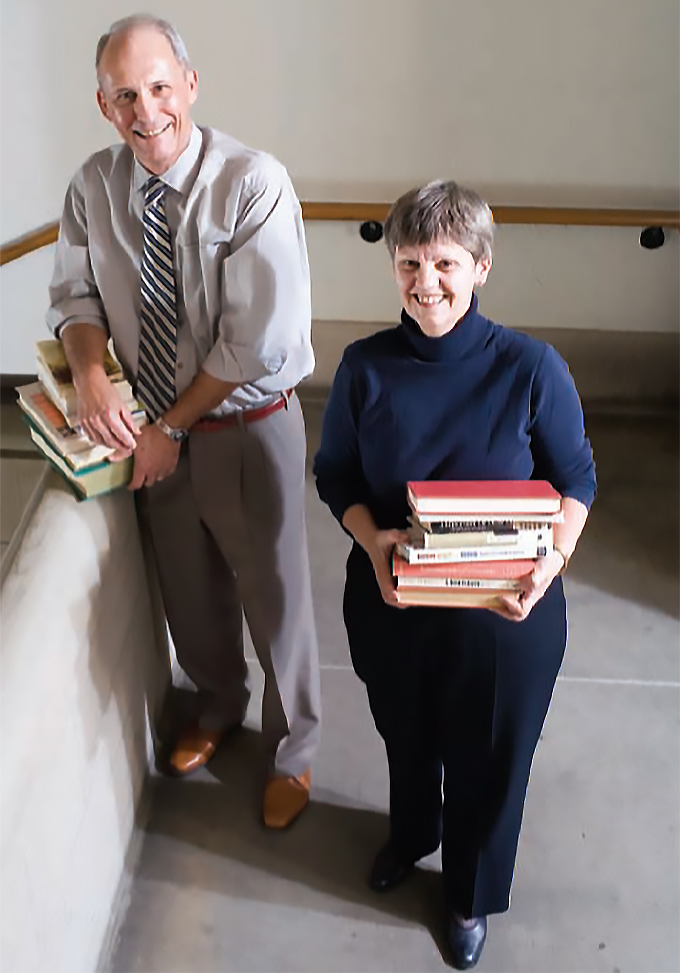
(103, 107)
(482, 269)
(192, 78)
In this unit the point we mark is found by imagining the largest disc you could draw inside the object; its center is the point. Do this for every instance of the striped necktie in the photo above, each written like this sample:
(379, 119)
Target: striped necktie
(158, 331)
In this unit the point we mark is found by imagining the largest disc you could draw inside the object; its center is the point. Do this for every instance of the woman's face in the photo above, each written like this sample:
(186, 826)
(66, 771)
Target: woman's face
(435, 283)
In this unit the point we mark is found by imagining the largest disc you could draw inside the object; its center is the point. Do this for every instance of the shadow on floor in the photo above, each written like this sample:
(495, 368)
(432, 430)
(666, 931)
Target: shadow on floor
(320, 863)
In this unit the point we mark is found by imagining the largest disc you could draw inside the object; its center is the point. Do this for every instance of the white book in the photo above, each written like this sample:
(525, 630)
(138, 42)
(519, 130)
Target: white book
(492, 552)
(505, 537)
(483, 521)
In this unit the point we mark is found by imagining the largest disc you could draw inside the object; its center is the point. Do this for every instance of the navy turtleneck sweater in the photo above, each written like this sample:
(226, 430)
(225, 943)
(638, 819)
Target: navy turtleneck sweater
(482, 402)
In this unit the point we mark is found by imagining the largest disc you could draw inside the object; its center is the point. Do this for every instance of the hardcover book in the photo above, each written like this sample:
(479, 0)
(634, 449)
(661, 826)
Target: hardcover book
(450, 599)
(401, 569)
(483, 497)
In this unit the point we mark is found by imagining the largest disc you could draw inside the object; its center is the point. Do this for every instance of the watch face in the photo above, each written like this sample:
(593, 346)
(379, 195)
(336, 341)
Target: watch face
(177, 435)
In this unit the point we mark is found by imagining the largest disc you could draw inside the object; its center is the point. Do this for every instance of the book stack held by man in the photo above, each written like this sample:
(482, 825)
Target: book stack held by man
(472, 541)
(50, 406)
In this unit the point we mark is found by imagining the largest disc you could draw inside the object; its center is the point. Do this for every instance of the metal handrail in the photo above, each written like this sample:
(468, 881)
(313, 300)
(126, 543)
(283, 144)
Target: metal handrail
(364, 212)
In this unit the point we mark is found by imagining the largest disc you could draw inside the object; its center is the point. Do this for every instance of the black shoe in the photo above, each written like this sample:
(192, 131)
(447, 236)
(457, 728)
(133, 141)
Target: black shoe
(388, 870)
(466, 945)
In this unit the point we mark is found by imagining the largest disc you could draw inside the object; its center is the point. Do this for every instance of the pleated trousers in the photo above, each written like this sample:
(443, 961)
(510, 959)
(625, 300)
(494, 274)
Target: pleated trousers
(459, 697)
(228, 536)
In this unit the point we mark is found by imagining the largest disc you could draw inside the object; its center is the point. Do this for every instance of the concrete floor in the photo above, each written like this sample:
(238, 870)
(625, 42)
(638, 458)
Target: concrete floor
(597, 883)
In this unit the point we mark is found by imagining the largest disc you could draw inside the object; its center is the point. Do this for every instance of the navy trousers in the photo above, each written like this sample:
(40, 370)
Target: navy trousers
(459, 696)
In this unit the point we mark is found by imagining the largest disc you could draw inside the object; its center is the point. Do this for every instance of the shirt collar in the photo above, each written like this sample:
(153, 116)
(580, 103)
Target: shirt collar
(182, 174)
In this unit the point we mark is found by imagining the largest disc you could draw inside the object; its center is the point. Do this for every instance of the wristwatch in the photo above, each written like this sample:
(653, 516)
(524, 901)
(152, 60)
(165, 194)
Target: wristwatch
(177, 435)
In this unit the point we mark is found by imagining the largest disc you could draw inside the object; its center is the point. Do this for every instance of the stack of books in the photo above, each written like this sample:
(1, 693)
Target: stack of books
(50, 407)
(471, 541)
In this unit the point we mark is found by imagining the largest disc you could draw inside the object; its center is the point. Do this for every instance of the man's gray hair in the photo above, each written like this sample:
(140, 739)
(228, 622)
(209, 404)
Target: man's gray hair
(144, 20)
(441, 211)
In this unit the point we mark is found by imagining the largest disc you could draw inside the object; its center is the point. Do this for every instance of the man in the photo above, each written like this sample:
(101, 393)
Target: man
(187, 249)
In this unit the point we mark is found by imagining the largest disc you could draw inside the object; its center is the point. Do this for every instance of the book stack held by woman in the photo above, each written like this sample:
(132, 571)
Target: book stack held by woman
(472, 541)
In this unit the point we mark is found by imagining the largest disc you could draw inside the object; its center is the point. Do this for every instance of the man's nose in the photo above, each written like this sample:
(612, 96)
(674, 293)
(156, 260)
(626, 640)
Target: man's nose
(143, 106)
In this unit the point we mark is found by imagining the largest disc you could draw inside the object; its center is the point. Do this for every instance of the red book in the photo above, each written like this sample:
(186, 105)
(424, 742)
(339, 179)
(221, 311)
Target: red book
(483, 497)
(476, 569)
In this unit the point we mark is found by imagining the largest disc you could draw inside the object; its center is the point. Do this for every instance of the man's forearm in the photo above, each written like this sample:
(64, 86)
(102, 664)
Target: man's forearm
(85, 347)
(203, 395)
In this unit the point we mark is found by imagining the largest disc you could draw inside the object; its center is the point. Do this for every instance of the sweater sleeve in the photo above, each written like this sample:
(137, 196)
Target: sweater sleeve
(562, 453)
(338, 469)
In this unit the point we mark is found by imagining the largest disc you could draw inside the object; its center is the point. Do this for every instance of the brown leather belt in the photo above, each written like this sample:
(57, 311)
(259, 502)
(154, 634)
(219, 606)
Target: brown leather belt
(216, 423)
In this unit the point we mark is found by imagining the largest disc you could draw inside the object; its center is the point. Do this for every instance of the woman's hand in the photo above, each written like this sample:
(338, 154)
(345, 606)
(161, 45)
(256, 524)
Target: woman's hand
(378, 544)
(516, 605)
(380, 553)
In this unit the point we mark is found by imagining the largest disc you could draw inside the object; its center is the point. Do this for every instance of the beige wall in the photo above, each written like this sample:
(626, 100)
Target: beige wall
(81, 667)
(529, 101)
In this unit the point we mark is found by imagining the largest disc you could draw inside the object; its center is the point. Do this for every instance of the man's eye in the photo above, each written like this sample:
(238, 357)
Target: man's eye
(445, 264)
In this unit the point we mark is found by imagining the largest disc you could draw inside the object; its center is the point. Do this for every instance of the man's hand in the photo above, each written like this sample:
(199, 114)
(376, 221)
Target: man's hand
(380, 552)
(156, 457)
(516, 606)
(103, 416)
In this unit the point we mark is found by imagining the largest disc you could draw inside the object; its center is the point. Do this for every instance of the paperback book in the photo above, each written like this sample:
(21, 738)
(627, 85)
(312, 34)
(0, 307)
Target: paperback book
(496, 537)
(531, 548)
(93, 481)
(77, 450)
(55, 374)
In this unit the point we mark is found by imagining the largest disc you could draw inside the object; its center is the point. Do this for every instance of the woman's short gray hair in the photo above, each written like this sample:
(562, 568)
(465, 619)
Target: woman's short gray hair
(144, 20)
(441, 211)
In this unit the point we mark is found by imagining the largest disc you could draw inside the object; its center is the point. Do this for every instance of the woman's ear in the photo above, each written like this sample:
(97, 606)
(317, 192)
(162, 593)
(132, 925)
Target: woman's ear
(482, 269)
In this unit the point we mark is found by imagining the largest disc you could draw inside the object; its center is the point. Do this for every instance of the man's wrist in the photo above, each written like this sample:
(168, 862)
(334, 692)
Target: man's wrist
(175, 433)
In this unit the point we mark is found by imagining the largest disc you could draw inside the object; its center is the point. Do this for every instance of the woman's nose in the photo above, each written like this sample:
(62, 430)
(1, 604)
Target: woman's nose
(427, 275)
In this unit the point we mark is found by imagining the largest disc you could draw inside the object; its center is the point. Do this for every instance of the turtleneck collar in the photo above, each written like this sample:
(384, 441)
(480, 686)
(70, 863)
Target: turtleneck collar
(467, 334)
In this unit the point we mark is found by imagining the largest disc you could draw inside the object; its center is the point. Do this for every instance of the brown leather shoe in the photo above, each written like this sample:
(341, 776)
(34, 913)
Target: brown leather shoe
(194, 748)
(285, 798)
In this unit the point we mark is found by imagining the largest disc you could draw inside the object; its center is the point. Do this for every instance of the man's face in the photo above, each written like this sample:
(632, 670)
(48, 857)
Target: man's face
(147, 95)
(435, 283)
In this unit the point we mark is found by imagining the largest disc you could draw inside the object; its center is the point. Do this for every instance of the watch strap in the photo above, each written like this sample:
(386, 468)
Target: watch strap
(176, 434)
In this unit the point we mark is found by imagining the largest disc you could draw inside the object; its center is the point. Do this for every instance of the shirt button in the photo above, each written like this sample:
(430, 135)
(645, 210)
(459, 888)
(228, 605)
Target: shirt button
(180, 366)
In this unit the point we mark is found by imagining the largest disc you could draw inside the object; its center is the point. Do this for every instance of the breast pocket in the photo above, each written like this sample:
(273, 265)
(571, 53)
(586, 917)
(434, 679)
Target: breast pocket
(199, 274)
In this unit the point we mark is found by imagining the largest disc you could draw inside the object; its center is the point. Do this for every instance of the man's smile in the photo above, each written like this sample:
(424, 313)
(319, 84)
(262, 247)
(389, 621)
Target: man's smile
(152, 134)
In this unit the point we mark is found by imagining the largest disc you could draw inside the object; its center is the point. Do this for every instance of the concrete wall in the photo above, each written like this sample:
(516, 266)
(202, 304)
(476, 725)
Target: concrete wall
(79, 665)
(534, 101)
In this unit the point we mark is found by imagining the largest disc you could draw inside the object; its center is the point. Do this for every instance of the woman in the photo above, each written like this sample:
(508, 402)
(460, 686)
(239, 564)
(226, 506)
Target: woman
(455, 693)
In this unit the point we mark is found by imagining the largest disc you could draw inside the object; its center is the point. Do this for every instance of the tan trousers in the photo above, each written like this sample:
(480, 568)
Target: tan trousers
(228, 535)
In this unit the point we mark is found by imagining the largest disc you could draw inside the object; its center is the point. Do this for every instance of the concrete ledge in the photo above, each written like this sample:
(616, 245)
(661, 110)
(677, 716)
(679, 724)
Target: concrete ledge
(82, 665)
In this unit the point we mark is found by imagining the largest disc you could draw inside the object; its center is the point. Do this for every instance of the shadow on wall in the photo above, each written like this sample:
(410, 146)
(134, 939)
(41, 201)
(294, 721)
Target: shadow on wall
(631, 544)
